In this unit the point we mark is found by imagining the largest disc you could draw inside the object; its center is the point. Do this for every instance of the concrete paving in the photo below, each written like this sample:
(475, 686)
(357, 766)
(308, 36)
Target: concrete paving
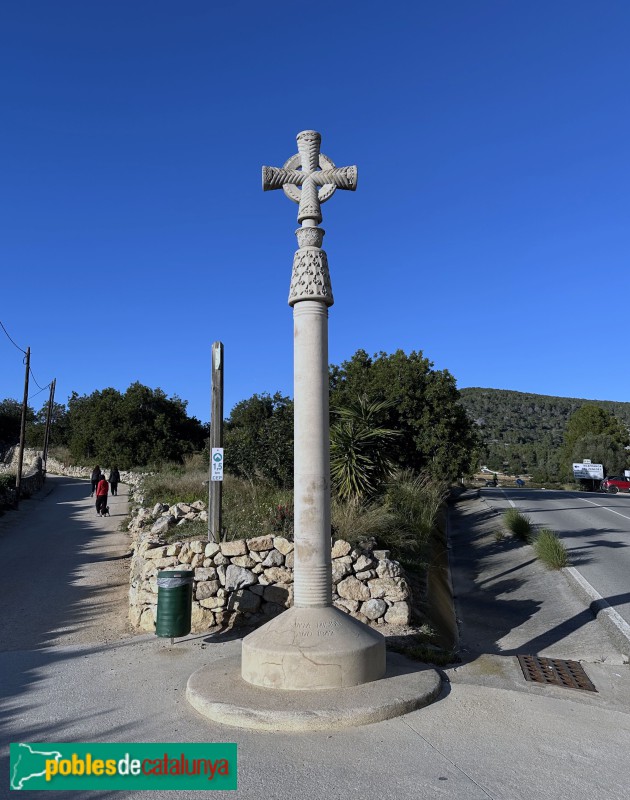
(509, 603)
(489, 734)
(218, 692)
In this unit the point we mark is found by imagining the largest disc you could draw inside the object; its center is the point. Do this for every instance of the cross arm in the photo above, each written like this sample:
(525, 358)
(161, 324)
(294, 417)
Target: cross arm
(275, 178)
(340, 177)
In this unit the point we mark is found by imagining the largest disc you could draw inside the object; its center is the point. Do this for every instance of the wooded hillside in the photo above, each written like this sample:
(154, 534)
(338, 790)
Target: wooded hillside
(524, 431)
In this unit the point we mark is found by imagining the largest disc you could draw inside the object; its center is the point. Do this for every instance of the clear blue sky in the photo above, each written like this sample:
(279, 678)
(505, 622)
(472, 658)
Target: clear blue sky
(489, 228)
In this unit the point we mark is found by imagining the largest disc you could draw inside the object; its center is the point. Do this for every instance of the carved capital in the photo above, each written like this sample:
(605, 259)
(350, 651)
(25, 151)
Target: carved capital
(310, 279)
(310, 237)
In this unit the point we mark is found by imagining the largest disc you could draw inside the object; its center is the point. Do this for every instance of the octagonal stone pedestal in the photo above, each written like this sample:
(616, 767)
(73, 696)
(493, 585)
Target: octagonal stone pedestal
(313, 648)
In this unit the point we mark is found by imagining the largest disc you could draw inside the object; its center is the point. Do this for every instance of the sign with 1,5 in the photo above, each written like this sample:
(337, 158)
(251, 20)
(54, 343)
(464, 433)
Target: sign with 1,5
(217, 464)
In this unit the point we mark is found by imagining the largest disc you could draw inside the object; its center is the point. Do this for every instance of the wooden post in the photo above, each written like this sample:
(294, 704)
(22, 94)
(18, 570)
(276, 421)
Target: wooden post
(18, 477)
(215, 488)
(48, 419)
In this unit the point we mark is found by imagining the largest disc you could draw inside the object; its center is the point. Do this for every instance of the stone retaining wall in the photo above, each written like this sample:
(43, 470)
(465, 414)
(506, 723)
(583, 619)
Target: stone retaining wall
(245, 579)
(32, 481)
(55, 467)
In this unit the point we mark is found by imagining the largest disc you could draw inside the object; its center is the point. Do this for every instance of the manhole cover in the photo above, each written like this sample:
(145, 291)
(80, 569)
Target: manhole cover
(556, 672)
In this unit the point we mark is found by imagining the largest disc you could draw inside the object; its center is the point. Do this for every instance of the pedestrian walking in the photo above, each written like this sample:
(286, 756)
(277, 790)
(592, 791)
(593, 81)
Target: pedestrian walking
(95, 478)
(101, 496)
(114, 480)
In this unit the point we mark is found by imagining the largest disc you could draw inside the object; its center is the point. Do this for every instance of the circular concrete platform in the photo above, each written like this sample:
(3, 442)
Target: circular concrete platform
(219, 692)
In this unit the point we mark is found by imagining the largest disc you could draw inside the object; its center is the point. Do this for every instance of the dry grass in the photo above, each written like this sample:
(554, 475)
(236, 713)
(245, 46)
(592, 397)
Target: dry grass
(175, 484)
(354, 521)
(255, 509)
(519, 524)
(550, 549)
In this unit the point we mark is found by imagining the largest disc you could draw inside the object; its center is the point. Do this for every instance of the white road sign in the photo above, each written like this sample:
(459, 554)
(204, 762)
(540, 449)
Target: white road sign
(588, 471)
(216, 461)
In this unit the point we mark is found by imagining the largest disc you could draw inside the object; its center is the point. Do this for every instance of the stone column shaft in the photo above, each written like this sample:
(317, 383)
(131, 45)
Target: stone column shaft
(313, 581)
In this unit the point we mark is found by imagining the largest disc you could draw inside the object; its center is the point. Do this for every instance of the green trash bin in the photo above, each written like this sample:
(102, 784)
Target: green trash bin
(174, 606)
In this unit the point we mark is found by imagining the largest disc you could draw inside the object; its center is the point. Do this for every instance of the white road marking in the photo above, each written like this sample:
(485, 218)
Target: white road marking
(612, 511)
(511, 502)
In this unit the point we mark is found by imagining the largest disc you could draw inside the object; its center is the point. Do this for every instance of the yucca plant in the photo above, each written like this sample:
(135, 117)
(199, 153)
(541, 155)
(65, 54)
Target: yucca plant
(358, 447)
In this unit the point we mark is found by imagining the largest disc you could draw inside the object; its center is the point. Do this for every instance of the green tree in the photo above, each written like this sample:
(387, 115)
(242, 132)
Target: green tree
(436, 435)
(10, 419)
(601, 448)
(358, 449)
(140, 427)
(36, 430)
(258, 439)
(595, 433)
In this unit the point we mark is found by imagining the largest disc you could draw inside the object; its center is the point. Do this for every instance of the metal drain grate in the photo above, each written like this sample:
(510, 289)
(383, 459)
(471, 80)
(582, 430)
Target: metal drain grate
(556, 672)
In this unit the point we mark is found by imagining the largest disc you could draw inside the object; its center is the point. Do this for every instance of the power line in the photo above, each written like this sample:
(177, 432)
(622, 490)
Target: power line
(40, 391)
(41, 388)
(11, 340)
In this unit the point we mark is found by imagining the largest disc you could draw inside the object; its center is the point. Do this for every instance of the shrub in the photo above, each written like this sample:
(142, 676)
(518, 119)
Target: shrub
(401, 520)
(519, 524)
(197, 529)
(428, 654)
(550, 549)
(255, 509)
(7, 481)
(176, 484)
(282, 521)
(354, 521)
(7, 489)
(415, 501)
(62, 454)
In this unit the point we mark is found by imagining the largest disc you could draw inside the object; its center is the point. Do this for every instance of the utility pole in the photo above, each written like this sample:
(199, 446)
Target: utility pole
(215, 484)
(48, 420)
(18, 478)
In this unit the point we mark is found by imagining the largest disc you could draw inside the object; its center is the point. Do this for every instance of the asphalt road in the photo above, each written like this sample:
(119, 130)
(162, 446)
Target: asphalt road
(594, 527)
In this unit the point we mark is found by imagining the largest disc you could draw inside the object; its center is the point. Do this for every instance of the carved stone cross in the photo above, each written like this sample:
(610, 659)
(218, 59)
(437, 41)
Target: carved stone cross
(318, 177)
(313, 644)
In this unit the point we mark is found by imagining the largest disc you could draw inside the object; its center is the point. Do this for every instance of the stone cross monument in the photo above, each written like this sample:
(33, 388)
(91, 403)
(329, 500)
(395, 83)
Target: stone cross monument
(312, 645)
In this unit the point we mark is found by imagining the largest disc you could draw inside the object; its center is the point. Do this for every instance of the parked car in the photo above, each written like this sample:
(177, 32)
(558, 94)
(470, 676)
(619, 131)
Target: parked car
(616, 483)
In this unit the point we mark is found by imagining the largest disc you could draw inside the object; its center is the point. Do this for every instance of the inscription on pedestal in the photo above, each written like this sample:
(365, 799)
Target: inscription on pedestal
(322, 629)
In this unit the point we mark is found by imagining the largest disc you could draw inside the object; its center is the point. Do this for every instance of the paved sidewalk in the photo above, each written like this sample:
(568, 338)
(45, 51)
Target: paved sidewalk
(508, 602)
(490, 734)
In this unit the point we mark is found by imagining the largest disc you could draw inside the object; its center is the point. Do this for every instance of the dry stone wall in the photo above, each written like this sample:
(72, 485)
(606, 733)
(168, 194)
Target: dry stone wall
(245, 579)
(56, 467)
(32, 481)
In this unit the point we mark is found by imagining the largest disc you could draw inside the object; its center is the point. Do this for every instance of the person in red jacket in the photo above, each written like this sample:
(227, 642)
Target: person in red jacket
(102, 490)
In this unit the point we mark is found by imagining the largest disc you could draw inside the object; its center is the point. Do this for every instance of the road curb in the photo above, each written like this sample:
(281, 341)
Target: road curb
(614, 625)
